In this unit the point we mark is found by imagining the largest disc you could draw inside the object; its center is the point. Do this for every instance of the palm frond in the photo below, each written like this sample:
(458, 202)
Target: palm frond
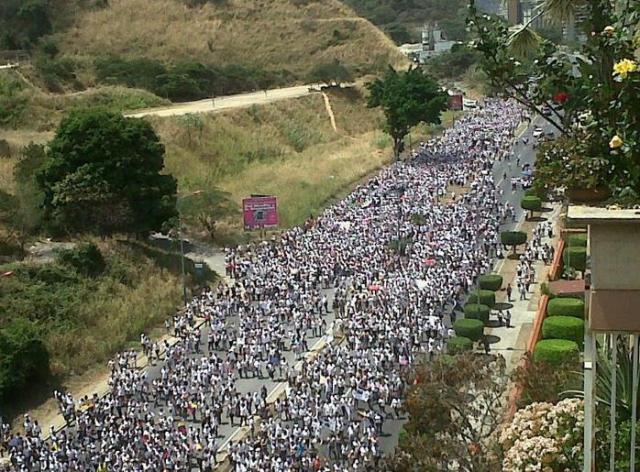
(523, 41)
(559, 11)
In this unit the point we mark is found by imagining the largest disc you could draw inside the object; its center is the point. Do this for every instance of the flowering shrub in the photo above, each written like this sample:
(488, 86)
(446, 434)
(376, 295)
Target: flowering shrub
(544, 437)
(591, 94)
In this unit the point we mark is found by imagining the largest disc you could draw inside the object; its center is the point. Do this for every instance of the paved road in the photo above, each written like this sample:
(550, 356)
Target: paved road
(218, 104)
(526, 153)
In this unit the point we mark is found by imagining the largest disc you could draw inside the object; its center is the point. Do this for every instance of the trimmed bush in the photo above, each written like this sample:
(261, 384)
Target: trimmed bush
(575, 257)
(459, 344)
(513, 238)
(531, 203)
(566, 307)
(564, 327)
(469, 328)
(482, 297)
(491, 282)
(477, 312)
(577, 240)
(556, 351)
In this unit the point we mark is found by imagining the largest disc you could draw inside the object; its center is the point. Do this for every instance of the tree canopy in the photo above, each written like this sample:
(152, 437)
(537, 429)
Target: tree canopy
(407, 99)
(102, 174)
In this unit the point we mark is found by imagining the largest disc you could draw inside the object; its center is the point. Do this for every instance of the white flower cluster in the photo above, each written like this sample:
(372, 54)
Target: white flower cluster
(543, 437)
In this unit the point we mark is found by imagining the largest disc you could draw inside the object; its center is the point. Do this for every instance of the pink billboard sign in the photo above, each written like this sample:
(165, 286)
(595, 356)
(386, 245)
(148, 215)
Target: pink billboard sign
(260, 212)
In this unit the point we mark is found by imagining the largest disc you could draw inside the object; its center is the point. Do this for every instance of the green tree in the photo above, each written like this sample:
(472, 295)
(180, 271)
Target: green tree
(102, 174)
(206, 208)
(23, 358)
(407, 99)
(330, 72)
(455, 405)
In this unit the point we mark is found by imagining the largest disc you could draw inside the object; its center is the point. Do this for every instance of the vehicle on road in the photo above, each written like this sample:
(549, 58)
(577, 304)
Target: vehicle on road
(546, 111)
(537, 132)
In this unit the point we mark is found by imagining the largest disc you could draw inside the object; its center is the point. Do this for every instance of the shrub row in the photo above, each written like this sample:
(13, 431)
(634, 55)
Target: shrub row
(477, 312)
(186, 80)
(556, 351)
(575, 257)
(564, 327)
(459, 344)
(566, 307)
(482, 297)
(469, 328)
(491, 282)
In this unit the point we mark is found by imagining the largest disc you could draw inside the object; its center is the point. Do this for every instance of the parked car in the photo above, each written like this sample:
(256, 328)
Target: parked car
(538, 132)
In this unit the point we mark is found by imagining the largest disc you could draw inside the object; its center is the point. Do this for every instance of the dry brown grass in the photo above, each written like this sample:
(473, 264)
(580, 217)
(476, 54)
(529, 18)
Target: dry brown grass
(286, 148)
(274, 34)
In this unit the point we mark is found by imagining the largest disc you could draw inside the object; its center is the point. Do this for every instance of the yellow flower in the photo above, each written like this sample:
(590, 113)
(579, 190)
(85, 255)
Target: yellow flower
(616, 142)
(622, 68)
(608, 29)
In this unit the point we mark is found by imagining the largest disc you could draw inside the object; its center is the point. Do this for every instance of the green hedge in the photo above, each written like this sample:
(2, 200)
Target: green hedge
(477, 312)
(490, 282)
(469, 328)
(566, 307)
(458, 344)
(482, 297)
(564, 327)
(513, 238)
(575, 257)
(556, 351)
(577, 240)
(531, 203)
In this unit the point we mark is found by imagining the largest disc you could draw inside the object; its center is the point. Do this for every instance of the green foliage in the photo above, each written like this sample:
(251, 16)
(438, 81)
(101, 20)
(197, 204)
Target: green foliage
(543, 382)
(186, 80)
(478, 312)
(206, 208)
(459, 344)
(22, 22)
(598, 147)
(491, 282)
(564, 327)
(56, 73)
(469, 328)
(23, 358)
(575, 257)
(453, 64)
(13, 103)
(407, 99)
(452, 402)
(531, 203)
(577, 240)
(513, 238)
(400, 245)
(330, 72)
(401, 19)
(482, 297)
(102, 175)
(556, 351)
(86, 259)
(565, 307)
(418, 219)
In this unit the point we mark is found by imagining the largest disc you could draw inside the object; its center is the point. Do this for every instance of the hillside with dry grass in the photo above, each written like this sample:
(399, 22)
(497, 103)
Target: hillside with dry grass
(272, 34)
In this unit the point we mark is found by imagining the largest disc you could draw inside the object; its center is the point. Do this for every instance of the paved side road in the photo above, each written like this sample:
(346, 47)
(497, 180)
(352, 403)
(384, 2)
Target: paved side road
(229, 102)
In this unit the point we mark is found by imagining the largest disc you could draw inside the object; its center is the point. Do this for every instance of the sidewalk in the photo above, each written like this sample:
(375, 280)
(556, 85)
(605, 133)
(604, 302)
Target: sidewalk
(511, 342)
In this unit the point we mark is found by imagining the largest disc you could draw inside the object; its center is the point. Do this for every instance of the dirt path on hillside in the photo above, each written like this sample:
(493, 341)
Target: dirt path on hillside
(332, 117)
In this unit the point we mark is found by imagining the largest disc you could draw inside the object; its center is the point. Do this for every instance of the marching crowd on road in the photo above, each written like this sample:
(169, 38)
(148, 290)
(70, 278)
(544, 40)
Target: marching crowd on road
(390, 261)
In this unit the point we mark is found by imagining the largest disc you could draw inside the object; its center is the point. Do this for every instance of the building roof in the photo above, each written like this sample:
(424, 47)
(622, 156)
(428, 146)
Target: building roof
(603, 215)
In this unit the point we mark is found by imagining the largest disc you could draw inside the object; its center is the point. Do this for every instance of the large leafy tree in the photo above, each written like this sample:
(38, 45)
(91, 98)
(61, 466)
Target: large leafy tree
(102, 174)
(407, 99)
(455, 406)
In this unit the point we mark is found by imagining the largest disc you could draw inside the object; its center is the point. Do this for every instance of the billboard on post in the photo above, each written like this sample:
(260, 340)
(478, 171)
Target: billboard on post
(260, 212)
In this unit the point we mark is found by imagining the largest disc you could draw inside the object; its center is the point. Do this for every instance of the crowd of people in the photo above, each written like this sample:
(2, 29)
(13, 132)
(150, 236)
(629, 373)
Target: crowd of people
(376, 274)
